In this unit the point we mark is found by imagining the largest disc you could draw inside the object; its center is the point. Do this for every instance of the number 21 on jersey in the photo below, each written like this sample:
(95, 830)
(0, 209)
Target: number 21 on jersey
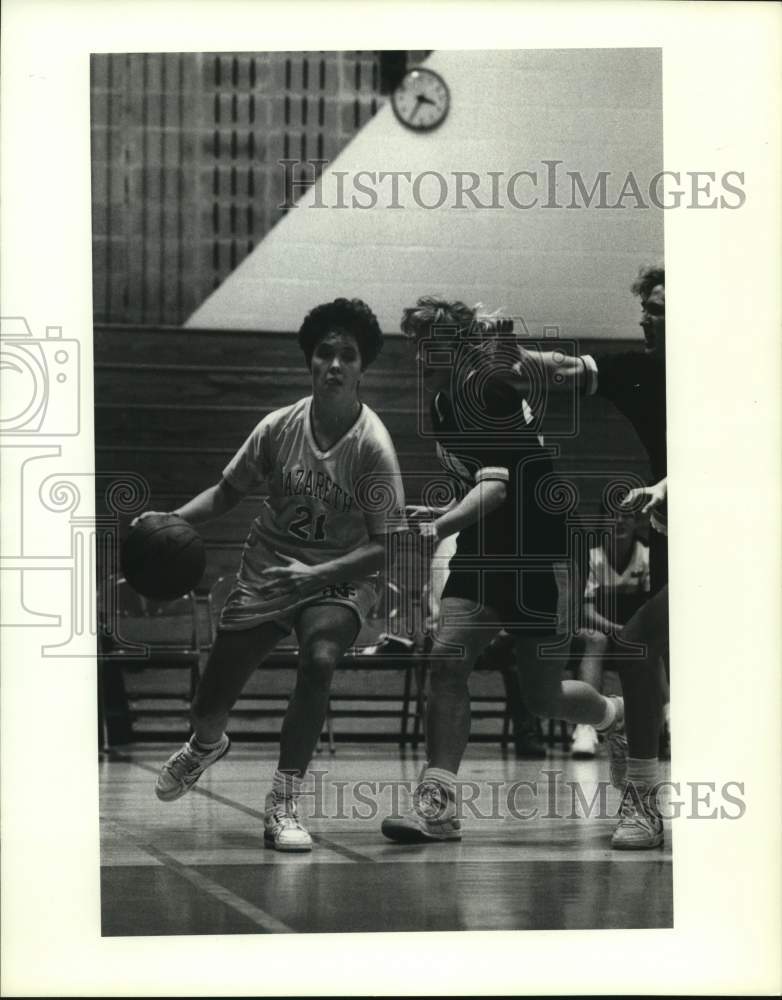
(307, 528)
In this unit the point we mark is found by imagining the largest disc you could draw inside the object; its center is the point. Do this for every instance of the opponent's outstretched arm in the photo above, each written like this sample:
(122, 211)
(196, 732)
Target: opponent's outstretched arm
(479, 502)
(655, 496)
(558, 370)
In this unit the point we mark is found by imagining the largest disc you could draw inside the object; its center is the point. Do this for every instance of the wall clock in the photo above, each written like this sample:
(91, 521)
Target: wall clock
(421, 100)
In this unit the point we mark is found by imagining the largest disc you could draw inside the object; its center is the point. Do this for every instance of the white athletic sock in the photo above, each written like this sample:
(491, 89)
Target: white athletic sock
(609, 715)
(643, 772)
(286, 785)
(445, 778)
(205, 747)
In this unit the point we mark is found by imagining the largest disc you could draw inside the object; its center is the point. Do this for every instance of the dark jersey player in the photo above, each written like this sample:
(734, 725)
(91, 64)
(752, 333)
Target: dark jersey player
(502, 573)
(635, 384)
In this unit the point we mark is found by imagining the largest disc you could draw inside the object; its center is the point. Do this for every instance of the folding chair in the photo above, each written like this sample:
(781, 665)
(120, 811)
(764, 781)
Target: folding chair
(139, 635)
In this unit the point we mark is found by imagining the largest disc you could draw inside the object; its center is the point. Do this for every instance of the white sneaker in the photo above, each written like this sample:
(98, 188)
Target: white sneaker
(640, 825)
(282, 828)
(616, 743)
(584, 743)
(183, 768)
(433, 817)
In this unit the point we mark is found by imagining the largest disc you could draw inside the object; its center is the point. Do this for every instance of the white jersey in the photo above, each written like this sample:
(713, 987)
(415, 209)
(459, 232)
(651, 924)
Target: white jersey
(320, 504)
(634, 578)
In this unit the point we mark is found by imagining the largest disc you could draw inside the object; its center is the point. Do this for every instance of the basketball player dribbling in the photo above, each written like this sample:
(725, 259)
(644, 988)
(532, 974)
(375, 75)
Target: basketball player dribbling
(310, 560)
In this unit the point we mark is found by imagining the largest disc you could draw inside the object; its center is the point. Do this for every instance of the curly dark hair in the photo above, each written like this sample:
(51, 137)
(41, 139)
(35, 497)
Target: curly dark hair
(345, 316)
(649, 277)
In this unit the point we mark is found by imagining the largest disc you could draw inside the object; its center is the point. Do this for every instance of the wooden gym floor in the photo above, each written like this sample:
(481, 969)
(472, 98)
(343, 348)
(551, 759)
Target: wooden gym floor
(198, 865)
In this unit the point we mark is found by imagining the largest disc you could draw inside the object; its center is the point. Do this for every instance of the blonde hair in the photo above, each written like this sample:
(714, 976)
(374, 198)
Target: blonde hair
(431, 314)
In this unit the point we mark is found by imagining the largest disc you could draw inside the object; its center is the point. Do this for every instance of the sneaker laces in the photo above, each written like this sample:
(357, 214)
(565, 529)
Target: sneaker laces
(285, 814)
(637, 813)
(185, 762)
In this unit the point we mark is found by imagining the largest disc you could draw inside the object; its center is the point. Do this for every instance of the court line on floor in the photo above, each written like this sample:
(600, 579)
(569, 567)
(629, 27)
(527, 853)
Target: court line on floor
(318, 838)
(259, 917)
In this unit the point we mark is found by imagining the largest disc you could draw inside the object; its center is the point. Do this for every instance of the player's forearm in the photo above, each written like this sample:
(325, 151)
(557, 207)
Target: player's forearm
(597, 622)
(478, 503)
(360, 562)
(212, 503)
(555, 369)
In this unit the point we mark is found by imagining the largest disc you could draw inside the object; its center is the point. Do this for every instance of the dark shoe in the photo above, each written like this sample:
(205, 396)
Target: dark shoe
(530, 747)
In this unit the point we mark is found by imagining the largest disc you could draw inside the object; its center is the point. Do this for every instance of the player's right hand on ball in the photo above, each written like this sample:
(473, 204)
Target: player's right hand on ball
(148, 513)
(415, 510)
(428, 532)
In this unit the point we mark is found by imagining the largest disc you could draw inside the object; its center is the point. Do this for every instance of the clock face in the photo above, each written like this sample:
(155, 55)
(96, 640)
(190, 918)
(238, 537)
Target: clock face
(421, 100)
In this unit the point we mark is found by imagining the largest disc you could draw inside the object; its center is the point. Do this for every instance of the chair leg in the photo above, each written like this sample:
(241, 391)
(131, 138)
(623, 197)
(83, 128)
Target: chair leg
(406, 705)
(505, 728)
(117, 720)
(330, 730)
(419, 720)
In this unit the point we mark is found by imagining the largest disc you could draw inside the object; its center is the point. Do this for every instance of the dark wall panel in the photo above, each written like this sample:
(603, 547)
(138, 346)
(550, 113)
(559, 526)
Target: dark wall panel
(186, 177)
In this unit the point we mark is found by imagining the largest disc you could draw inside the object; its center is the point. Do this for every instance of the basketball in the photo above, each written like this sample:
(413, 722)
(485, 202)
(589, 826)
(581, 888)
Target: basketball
(163, 557)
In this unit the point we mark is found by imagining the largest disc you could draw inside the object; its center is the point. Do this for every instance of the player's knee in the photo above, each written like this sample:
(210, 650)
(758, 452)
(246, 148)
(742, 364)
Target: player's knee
(448, 675)
(596, 643)
(317, 664)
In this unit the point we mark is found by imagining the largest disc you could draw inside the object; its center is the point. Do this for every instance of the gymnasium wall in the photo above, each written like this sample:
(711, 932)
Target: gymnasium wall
(185, 174)
(174, 405)
(187, 223)
(566, 262)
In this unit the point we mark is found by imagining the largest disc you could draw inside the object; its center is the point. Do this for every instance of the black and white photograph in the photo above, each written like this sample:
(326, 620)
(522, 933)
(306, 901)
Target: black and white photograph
(339, 511)
(351, 311)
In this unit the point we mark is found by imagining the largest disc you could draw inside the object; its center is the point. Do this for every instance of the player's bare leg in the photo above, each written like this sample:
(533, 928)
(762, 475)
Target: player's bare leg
(640, 824)
(324, 632)
(233, 657)
(547, 694)
(456, 648)
(590, 671)
(550, 696)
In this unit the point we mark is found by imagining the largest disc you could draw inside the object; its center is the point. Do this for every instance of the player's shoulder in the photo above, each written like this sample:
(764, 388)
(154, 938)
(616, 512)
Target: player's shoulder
(372, 429)
(285, 415)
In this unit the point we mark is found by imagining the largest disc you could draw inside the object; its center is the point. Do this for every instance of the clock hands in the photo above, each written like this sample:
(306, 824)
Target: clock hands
(421, 99)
